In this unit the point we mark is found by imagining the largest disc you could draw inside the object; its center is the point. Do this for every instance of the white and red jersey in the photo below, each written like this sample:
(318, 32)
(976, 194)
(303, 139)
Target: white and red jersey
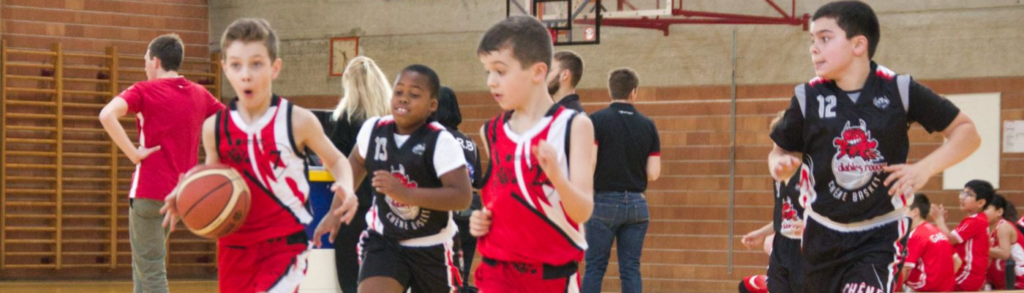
(973, 250)
(997, 271)
(275, 171)
(528, 221)
(929, 262)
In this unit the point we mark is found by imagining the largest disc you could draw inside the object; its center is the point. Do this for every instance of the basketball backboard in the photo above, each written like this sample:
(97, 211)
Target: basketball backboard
(571, 22)
(579, 22)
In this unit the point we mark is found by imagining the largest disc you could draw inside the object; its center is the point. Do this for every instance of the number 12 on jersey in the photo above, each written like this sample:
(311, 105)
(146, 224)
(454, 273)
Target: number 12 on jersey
(827, 106)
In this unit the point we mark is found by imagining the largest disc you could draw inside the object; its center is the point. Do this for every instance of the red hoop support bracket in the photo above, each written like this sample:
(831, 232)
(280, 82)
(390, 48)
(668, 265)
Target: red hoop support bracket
(702, 17)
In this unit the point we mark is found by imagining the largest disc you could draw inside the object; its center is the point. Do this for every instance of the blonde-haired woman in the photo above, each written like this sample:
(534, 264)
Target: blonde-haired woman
(366, 93)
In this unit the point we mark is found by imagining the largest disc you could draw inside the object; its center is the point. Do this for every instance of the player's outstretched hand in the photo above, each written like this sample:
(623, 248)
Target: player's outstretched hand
(547, 156)
(328, 225)
(783, 167)
(349, 205)
(906, 179)
(386, 183)
(169, 209)
(343, 214)
(480, 222)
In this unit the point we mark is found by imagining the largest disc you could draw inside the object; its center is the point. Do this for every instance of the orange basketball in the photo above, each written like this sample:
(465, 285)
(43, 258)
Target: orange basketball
(213, 200)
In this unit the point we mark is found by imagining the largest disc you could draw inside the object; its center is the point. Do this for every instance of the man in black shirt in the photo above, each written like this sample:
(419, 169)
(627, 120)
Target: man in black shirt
(628, 157)
(566, 72)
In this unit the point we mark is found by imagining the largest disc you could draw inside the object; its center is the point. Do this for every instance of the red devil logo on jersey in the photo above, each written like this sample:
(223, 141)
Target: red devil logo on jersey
(788, 212)
(856, 163)
(856, 142)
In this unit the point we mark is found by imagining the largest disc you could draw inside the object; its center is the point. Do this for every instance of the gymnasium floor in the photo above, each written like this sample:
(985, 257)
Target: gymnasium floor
(100, 287)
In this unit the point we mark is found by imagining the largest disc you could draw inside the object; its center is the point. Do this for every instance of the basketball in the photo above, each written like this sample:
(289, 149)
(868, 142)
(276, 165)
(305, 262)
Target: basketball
(213, 200)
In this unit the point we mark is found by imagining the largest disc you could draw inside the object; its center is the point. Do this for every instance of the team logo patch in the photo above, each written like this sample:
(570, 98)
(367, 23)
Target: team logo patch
(791, 220)
(856, 163)
(882, 102)
(405, 216)
(419, 149)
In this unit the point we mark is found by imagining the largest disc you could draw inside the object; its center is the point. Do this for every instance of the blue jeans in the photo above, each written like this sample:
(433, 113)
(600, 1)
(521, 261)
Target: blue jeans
(621, 215)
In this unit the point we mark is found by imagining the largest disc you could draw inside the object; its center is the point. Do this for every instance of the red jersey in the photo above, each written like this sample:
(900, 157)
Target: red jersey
(997, 271)
(266, 155)
(528, 221)
(973, 250)
(929, 261)
(169, 113)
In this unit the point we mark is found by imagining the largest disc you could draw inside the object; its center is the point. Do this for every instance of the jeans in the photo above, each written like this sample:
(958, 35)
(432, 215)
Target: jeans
(621, 215)
(148, 240)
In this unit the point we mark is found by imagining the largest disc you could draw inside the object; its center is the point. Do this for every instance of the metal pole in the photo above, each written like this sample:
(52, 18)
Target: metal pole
(58, 78)
(3, 151)
(732, 157)
(115, 88)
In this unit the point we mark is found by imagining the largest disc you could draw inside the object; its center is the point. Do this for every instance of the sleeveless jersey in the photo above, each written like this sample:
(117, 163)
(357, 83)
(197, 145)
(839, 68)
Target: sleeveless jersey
(275, 171)
(412, 163)
(528, 221)
(847, 144)
(789, 211)
(997, 270)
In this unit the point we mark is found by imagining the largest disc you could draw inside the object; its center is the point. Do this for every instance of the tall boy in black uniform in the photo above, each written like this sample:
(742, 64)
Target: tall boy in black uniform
(851, 122)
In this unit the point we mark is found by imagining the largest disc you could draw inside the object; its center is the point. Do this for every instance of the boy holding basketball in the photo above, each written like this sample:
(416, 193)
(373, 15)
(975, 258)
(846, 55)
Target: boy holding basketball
(170, 111)
(851, 123)
(263, 137)
(538, 190)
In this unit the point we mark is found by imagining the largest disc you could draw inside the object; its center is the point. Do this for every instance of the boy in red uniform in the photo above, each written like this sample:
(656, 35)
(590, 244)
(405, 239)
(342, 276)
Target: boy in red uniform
(1007, 244)
(971, 237)
(930, 260)
(170, 111)
(263, 137)
(538, 190)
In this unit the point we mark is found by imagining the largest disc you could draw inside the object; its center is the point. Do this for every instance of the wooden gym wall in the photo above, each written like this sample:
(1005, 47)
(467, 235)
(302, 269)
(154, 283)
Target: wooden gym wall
(686, 249)
(64, 197)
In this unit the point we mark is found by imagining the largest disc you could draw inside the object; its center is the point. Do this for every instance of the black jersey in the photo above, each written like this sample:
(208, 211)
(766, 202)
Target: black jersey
(413, 164)
(788, 208)
(849, 137)
(472, 157)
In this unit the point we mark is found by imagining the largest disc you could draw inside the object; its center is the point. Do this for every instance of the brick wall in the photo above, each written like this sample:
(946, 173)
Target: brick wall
(92, 25)
(686, 245)
(919, 37)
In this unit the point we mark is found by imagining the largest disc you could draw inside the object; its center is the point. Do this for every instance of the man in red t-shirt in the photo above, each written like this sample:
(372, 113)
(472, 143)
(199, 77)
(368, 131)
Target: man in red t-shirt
(930, 260)
(169, 111)
(970, 239)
